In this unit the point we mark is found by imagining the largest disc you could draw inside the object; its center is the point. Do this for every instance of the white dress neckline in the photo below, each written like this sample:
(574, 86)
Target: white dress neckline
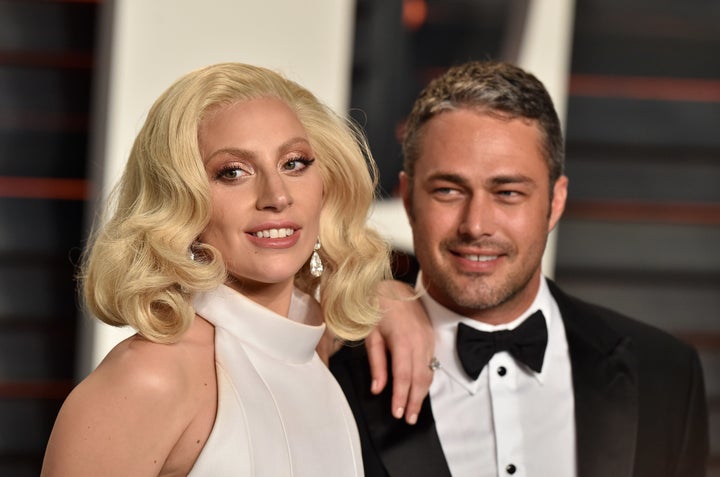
(285, 339)
(280, 411)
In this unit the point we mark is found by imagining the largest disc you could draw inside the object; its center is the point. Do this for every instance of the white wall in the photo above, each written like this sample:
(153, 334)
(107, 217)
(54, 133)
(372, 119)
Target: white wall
(545, 51)
(147, 44)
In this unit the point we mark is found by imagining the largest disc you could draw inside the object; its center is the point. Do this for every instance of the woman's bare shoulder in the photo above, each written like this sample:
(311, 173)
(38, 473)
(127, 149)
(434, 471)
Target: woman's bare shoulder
(138, 366)
(141, 362)
(141, 397)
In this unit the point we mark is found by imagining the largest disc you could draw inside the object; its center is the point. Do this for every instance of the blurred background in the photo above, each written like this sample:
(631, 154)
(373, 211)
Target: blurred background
(641, 232)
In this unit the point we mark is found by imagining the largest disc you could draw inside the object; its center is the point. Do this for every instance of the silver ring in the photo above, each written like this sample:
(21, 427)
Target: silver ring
(434, 364)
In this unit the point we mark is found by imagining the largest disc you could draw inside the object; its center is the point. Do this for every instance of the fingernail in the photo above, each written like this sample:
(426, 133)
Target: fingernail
(412, 419)
(399, 412)
(374, 386)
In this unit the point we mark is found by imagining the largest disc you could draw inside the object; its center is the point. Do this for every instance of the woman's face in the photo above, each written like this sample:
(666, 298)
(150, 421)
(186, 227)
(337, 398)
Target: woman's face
(266, 194)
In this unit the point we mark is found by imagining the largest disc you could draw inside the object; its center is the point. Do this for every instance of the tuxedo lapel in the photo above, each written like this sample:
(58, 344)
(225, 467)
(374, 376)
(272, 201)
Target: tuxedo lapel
(390, 446)
(404, 449)
(605, 383)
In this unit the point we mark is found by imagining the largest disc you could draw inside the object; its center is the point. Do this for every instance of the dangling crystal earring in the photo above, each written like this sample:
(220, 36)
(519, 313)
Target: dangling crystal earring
(316, 265)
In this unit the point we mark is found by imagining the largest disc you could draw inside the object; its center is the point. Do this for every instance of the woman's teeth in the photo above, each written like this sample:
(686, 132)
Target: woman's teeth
(274, 233)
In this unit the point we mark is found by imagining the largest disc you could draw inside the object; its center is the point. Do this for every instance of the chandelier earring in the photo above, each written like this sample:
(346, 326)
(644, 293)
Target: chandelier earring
(316, 265)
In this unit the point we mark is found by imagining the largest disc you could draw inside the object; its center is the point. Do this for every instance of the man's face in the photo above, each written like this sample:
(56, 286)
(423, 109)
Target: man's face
(480, 212)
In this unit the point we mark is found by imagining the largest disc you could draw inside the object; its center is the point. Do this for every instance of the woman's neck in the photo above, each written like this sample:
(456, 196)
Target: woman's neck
(274, 296)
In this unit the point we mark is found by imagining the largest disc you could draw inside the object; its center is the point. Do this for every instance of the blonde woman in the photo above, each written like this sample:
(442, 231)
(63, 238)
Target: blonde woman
(243, 197)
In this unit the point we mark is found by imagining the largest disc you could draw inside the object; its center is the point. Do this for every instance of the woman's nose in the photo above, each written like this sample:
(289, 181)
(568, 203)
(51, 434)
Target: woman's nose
(273, 193)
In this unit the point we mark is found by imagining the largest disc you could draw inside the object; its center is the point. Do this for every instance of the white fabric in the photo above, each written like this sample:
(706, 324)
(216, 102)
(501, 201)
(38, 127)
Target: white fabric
(523, 418)
(280, 411)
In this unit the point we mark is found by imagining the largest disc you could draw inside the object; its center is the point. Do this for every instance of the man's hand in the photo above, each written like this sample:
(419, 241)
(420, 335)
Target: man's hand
(406, 332)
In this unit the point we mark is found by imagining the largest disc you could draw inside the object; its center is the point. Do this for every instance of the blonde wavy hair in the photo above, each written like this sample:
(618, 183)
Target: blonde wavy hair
(138, 269)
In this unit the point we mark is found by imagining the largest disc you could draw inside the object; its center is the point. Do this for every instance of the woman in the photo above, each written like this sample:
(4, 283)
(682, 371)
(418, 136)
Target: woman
(243, 196)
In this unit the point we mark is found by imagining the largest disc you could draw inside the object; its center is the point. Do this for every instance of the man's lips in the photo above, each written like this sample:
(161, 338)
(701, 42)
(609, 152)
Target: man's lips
(478, 258)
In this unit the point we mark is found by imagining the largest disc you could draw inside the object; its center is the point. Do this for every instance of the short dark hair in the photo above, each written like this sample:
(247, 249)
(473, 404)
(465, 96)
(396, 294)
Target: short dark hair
(494, 88)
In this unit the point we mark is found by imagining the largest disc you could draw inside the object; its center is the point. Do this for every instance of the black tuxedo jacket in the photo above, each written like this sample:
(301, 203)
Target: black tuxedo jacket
(640, 406)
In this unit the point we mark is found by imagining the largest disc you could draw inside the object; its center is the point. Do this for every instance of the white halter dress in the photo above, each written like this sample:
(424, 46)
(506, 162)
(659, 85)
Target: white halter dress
(280, 411)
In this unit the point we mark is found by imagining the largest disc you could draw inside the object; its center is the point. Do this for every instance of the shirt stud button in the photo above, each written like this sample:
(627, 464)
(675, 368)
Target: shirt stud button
(510, 469)
(501, 371)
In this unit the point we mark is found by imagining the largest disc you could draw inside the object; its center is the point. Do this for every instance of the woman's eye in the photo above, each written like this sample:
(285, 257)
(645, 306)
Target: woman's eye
(231, 173)
(297, 164)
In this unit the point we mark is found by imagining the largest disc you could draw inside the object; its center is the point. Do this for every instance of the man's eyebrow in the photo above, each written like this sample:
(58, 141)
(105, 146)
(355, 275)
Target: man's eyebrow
(448, 177)
(511, 179)
(495, 181)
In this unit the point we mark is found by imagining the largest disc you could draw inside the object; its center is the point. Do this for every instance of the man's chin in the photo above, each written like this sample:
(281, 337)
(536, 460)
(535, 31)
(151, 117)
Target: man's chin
(469, 294)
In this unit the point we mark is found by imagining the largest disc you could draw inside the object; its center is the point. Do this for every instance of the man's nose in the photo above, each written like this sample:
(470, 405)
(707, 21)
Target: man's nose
(478, 217)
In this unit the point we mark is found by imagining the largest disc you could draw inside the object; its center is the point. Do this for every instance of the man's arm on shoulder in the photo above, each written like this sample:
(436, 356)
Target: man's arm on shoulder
(406, 332)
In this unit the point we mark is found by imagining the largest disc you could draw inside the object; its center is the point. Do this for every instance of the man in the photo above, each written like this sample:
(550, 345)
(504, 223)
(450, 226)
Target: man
(574, 389)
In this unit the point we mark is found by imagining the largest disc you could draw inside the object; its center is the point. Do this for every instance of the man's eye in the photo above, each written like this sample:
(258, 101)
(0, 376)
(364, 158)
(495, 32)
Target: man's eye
(446, 193)
(510, 195)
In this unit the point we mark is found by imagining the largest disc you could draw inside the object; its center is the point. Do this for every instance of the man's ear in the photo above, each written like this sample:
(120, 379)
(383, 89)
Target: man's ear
(557, 206)
(405, 194)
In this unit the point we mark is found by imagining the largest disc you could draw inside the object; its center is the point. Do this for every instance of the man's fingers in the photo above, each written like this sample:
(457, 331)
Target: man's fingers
(422, 378)
(402, 380)
(407, 334)
(375, 345)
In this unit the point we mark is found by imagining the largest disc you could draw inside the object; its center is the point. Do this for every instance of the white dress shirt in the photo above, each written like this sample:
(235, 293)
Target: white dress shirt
(511, 421)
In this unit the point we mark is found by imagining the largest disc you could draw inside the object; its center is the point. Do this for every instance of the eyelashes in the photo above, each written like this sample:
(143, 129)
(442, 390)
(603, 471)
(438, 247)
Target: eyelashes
(304, 161)
(236, 170)
(230, 172)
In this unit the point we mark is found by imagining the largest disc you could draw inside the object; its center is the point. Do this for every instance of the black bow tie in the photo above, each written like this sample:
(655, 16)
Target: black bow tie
(526, 343)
